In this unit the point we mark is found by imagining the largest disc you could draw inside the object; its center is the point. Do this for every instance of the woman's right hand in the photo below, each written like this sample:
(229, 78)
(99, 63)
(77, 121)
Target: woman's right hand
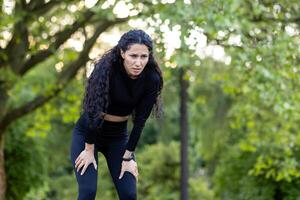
(85, 158)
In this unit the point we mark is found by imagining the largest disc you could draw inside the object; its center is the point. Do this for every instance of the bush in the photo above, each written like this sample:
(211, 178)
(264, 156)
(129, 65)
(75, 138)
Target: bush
(25, 162)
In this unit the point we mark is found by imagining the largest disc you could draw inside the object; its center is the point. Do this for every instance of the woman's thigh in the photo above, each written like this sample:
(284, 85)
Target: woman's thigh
(126, 186)
(88, 181)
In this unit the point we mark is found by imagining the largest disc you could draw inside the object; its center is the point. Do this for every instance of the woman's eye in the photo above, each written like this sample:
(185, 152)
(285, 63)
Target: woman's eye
(134, 56)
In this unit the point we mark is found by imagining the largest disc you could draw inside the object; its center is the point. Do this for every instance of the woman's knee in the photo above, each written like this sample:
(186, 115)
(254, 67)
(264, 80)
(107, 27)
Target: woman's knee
(87, 192)
(128, 195)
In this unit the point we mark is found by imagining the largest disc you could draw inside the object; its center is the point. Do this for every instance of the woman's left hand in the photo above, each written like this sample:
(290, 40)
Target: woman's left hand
(130, 166)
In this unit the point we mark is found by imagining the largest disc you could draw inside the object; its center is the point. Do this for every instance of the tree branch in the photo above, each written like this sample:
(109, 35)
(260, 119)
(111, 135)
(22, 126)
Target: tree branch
(18, 45)
(66, 76)
(38, 8)
(25, 109)
(59, 38)
(83, 57)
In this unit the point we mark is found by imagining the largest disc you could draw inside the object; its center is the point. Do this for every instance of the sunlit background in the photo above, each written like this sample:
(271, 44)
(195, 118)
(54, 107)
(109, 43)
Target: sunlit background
(231, 99)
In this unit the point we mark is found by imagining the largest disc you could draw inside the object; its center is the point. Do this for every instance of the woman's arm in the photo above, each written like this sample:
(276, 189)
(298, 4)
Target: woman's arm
(142, 111)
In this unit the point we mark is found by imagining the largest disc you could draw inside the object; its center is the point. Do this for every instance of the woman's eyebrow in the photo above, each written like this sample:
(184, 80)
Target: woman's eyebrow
(143, 54)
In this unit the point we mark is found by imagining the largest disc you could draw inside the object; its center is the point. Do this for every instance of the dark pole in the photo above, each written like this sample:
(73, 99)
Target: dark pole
(183, 135)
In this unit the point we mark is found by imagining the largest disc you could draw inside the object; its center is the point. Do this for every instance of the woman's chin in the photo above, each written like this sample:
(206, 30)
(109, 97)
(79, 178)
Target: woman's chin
(136, 73)
(133, 76)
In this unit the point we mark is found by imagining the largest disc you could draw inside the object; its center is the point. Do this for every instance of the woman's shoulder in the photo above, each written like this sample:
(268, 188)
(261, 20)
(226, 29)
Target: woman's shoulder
(153, 76)
(153, 79)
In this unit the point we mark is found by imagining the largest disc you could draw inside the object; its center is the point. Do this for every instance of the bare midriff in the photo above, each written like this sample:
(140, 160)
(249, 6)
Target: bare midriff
(114, 118)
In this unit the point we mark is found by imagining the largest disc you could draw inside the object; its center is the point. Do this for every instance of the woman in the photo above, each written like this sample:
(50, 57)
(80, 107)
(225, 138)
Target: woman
(125, 81)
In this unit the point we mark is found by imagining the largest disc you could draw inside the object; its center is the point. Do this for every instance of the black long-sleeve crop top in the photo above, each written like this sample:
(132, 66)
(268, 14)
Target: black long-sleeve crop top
(127, 94)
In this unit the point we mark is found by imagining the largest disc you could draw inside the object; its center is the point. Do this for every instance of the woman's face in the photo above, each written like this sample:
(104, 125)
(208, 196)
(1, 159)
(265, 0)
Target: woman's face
(135, 59)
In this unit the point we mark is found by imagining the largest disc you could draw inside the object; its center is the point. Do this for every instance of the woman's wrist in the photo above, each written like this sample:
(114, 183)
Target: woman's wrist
(128, 154)
(127, 159)
(89, 147)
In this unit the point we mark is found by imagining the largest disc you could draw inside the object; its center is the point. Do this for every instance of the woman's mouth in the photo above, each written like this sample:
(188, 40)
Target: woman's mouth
(136, 70)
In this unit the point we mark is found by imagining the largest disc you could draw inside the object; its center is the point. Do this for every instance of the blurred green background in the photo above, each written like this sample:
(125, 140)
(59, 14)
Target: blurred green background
(240, 59)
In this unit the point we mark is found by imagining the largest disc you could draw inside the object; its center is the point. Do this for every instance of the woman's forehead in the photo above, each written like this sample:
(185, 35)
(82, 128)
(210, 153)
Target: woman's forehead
(138, 48)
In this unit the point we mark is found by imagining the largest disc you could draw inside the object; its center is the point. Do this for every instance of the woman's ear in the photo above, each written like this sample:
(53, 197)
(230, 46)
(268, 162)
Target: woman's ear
(122, 53)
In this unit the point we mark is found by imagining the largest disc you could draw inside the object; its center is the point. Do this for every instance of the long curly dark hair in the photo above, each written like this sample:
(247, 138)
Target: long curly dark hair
(96, 96)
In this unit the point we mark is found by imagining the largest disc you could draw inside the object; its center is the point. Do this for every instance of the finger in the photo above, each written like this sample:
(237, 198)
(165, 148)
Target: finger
(122, 173)
(136, 176)
(84, 168)
(77, 163)
(134, 173)
(80, 166)
(95, 164)
(78, 158)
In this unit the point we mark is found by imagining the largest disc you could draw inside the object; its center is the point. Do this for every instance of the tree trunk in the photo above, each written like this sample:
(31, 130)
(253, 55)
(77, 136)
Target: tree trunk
(3, 107)
(3, 98)
(2, 169)
(183, 134)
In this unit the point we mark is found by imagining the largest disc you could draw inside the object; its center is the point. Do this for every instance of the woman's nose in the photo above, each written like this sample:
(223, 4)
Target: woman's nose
(138, 61)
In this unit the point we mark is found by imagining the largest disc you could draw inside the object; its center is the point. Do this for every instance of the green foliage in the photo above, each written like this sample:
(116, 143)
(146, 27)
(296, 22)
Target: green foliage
(169, 129)
(244, 116)
(291, 190)
(7, 77)
(31, 143)
(159, 168)
(199, 190)
(252, 107)
(25, 161)
(162, 162)
(233, 182)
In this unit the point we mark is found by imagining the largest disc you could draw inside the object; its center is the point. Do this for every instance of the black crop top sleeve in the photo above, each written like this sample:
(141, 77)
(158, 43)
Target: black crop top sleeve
(143, 110)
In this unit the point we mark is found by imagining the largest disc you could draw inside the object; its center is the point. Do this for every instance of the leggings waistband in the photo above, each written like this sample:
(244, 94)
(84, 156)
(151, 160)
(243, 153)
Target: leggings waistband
(108, 129)
(110, 126)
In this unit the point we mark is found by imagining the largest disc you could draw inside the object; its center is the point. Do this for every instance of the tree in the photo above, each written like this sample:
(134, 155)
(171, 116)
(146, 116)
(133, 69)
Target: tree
(184, 134)
(182, 59)
(262, 88)
(33, 42)
(36, 33)
(259, 89)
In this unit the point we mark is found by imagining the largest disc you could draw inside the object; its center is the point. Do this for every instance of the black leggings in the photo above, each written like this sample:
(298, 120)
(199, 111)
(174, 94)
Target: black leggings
(111, 142)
